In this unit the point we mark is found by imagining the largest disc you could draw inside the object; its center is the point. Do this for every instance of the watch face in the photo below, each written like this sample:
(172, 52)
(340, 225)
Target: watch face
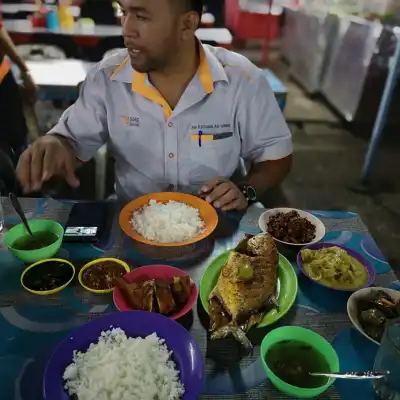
(251, 193)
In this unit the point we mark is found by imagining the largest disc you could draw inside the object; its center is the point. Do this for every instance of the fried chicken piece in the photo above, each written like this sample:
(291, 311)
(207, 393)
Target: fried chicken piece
(140, 296)
(165, 300)
(181, 288)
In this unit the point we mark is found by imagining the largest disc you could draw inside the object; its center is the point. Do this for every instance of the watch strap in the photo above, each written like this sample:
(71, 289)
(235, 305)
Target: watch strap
(249, 193)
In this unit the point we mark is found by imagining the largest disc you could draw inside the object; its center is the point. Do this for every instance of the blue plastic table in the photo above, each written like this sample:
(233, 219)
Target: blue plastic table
(31, 326)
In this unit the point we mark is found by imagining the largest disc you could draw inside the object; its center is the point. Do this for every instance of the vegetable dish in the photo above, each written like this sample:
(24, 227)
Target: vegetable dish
(375, 311)
(334, 267)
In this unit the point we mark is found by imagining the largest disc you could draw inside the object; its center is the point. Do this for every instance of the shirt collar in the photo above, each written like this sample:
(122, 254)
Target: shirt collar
(209, 72)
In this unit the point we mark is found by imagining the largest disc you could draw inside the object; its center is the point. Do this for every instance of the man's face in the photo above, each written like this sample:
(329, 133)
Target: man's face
(151, 30)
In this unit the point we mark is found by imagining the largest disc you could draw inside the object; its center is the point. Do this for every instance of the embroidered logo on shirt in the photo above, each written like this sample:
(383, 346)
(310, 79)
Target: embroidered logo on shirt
(130, 121)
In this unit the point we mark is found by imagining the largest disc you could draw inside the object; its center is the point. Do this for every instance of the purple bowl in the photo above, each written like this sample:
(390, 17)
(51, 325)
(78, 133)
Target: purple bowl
(320, 245)
(186, 353)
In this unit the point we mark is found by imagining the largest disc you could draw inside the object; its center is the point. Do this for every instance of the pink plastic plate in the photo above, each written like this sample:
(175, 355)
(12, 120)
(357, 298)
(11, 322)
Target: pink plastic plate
(164, 272)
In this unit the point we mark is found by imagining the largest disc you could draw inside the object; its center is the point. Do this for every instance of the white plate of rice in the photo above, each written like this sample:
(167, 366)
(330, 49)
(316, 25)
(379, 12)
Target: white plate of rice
(168, 219)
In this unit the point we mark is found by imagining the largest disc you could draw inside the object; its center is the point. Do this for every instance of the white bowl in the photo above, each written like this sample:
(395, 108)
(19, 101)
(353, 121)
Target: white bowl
(319, 226)
(352, 310)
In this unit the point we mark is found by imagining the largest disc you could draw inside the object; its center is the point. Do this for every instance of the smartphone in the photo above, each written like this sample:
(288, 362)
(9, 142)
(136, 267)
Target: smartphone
(89, 222)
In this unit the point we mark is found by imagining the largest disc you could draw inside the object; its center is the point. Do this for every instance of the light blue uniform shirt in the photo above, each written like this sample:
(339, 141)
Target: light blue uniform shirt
(228, 113)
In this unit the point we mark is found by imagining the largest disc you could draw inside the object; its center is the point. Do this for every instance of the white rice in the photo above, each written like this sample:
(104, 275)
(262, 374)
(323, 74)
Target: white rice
(168, 223)
(122, 368)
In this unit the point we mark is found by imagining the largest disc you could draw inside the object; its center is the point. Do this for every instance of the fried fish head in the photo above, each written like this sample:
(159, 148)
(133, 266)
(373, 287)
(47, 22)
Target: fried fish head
(263, 245)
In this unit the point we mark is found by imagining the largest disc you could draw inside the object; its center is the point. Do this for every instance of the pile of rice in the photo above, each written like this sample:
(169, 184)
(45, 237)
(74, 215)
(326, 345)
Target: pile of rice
(168, 223)
(122, 368)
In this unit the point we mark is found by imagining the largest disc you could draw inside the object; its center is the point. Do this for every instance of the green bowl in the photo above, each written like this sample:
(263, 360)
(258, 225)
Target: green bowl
(36, 225)
(310, 338)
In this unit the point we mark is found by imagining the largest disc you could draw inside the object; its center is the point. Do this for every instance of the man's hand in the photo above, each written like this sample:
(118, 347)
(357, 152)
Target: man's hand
(224, 194)
(46, 158)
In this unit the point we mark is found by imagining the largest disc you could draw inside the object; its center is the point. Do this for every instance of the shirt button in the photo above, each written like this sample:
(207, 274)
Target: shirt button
(171, 155)
(170, 124)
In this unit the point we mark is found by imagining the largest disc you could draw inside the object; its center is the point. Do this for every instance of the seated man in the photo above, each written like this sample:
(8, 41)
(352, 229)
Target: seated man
(178, 115)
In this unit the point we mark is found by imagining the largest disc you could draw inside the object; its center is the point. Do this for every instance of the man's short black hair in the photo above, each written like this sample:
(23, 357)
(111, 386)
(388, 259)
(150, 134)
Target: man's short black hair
(194, 5)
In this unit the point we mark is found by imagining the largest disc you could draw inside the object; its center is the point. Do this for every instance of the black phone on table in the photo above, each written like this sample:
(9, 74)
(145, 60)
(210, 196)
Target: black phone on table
(89, 222)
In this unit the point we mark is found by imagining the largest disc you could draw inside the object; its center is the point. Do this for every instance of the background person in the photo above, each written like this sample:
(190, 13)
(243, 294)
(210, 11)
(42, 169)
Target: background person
(13, 128)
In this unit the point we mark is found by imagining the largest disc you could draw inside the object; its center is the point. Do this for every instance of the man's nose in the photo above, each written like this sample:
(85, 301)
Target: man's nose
(129, 27)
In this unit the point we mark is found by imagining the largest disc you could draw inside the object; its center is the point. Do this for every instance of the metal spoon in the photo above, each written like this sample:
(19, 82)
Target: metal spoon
(18, 208)
(354, 375)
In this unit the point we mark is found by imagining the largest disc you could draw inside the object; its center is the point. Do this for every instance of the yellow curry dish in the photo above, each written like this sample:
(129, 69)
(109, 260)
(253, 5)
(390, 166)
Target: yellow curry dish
(334, 267)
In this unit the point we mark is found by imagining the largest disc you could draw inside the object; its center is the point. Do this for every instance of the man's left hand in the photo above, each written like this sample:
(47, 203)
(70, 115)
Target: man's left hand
(224, 194)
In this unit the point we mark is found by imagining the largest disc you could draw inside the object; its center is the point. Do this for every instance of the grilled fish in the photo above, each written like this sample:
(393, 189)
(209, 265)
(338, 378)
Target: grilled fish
(246, 288)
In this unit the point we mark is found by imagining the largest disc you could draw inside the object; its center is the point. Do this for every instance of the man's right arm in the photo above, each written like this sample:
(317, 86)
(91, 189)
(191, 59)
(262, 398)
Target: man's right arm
(81, 131)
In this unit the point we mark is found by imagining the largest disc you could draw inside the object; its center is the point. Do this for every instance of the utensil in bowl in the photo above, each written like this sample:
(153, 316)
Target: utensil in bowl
(369, 375)
(287, 287)
(36, 225)
(68, 272)
(319, 226)
(162, 272)
(207, 213)
(321, 245)
(19, 210)
(309, 338)
(99, 261)
(352, 305)
(186, 353)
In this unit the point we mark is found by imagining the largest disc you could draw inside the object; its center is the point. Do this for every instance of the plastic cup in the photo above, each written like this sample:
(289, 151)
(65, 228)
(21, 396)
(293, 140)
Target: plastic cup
(1, 215)
(52, 20)
(388, 359)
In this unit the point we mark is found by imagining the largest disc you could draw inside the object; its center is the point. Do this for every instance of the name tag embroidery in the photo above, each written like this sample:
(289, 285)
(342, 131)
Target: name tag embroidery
(211, 126)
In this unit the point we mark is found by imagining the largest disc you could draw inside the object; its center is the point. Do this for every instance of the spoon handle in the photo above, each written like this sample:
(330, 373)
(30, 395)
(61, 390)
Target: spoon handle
(354, 375)
(18, 208)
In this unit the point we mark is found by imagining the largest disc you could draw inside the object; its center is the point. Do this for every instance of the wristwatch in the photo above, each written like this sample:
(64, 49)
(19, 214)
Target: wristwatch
(249, 192)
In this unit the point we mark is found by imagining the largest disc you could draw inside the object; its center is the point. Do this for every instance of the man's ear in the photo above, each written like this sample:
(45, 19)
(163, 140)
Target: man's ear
(191, 22)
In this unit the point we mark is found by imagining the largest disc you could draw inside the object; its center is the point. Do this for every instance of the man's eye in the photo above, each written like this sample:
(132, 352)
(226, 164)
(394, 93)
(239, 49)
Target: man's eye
(141, 17)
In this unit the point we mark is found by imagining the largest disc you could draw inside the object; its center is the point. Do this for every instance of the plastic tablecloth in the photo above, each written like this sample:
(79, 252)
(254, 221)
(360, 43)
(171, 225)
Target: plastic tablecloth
(31, 326)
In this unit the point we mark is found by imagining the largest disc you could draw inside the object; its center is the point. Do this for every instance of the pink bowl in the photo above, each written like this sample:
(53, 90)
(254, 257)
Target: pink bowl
(164, 272)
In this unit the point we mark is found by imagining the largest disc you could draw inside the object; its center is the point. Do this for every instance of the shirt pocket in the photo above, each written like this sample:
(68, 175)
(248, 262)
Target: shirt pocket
(213, 154)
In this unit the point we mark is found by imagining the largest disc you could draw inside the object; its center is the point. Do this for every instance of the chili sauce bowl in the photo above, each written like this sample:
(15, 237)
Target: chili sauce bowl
(48, 277)
(100, 261)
